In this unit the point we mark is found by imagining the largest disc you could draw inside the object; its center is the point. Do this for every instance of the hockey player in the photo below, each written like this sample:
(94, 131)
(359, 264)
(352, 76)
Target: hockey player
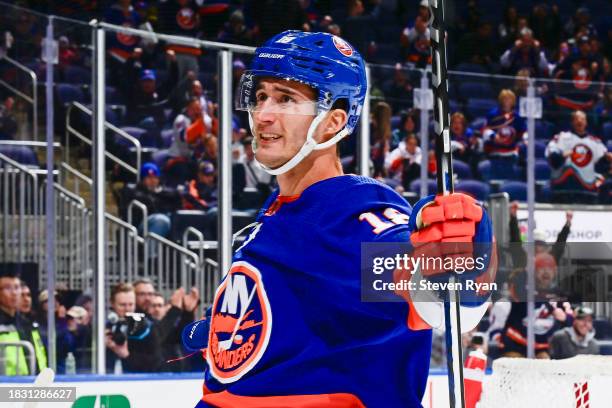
(577, 158)
(287, 326)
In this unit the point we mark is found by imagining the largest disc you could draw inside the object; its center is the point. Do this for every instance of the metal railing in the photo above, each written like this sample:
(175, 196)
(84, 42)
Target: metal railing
(15, 345)
(33, 100)
(123, 248)
(78, 178)
(72, 241)
(71, 130)
(20, 205)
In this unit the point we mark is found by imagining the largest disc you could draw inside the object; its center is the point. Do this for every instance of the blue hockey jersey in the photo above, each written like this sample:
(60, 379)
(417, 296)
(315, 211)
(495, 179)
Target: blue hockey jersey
(288, 327)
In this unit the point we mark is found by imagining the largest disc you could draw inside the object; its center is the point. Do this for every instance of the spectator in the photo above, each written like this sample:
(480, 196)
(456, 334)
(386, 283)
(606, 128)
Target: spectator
(8, 122)
(502, 135)
(256, 178)
(181, 17)
(551, 312)
(403, 164)
(577, 339)
(580, 72)
(380, 130)
(159, 201)
(508, 29)
(41, 316)
(14, 326)
(358, 28)
(398, 89)
(580, 22)
(157, 308)
(525, 53)
(546, 24)
(577, 158)
(144, 291)
(415, 44)
(148, 98)
(197, 91)
(519, 255)
(201, 193)
(25, 306)
(235, 30)
(560, 54)
(78, 331)
(478, 47)
(186, 141)
(121, 45)
(409, 124)
(465, 144)
(181, 311)
(131, 343)
(68, 54)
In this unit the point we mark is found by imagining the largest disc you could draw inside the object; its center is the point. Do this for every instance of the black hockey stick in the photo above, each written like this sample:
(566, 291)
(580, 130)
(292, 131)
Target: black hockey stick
(444, 161)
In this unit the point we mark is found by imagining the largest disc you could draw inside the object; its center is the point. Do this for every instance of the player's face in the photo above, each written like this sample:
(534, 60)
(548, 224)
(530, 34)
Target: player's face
(284, 111)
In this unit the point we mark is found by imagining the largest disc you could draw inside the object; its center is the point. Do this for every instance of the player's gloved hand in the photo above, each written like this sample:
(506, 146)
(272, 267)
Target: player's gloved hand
(446, 227)
(451, 227)
(195, 335)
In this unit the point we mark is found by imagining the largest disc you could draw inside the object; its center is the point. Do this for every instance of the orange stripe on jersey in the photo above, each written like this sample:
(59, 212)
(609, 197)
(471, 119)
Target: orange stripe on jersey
(280, 200)
(339, 400)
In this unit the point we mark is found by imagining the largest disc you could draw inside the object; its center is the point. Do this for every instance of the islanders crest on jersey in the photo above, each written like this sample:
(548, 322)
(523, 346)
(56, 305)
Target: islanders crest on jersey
(241, 323)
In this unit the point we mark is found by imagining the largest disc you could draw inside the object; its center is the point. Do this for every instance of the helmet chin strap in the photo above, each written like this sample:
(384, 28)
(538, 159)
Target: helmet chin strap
(309, 145)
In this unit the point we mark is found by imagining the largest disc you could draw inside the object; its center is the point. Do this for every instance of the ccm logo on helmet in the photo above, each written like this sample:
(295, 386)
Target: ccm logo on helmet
(342, 46)
(241, 323)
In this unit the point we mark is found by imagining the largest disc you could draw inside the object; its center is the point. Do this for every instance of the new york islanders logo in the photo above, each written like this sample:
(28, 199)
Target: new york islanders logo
(186, 18)
(342, 46)
(581, 155)
(241, 324)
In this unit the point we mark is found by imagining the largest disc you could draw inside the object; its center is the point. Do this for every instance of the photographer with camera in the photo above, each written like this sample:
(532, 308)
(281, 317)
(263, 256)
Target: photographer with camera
(132, 342)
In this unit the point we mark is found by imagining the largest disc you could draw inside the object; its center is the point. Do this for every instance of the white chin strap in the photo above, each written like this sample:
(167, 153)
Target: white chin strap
(304, 151)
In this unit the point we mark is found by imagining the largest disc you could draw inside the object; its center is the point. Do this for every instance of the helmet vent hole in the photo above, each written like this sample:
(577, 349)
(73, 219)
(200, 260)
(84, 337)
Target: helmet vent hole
(319, 43)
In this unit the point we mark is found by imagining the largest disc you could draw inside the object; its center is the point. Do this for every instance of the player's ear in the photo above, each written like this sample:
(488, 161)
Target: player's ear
(334, 123)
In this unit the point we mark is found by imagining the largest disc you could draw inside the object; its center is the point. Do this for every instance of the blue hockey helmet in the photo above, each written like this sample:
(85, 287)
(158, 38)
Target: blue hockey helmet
(326, 63)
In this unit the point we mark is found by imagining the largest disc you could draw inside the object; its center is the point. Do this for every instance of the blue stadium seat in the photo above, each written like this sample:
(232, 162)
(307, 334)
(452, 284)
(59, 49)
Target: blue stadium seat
(462, 169)
(113, 96)
(484, 169)
(517, 190)
(141, 134)
(73, 74)
(167, 135)
(477, 189)
(160, 158)
(481, 89)
(387, 53)
(469, 67)
(603, 329)
(543, 193)
(609, 145)
(607, 131)
(479, 107)
(542, 170)
(21, 154)
(540, 149)
(432, 186)
(67, 93)
(544, 129)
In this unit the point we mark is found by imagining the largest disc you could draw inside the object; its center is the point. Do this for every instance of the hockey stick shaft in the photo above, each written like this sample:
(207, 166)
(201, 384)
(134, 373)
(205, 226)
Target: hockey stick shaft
(452, 315)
